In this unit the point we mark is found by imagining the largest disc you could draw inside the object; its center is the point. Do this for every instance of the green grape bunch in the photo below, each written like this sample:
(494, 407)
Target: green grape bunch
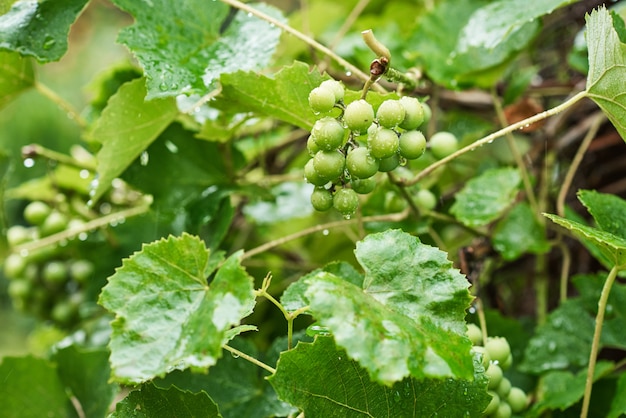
(343, 165)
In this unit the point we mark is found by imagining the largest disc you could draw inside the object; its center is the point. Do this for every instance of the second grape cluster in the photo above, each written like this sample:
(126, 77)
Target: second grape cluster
(348, 150)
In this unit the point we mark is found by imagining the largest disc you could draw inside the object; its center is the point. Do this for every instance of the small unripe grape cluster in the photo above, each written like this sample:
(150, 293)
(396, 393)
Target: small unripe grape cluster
(497, 358)
(47, 282)
(343, 165)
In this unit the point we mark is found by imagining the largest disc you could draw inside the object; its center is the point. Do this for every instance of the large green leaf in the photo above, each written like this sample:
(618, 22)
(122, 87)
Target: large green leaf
(608, 210)
(16, 75)
(519, 232)
(407, 316)
(486, 197)
(127, 126)
(607, 67)
(184, 48)
(31, 388)
(151, 402)
(167, 314)
(39, 28)
(320, 379)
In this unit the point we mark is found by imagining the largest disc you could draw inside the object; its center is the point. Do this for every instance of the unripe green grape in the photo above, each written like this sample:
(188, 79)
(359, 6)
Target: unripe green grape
(361, 164)
(383, 143)
(517, 399)
(443, 144)
(321, 199)
(425, 199)
(55, 222)
(494, 373)
(18, 234)
(336, 87)
(503, 411)
(81, 270)
(19, 289)
(504, 388)
(363, 186)
(507, 363)
(54, 272)
(36, 212)
(473, 332)
(412, 144)
(329, 164)
(493, 403)
(413, 113)
(321, 99)
(328, 133)
(394, 203)
(312, 176)
(486, 360)
(358, 116)
(14, 266)
(390, 113)
(498, 348)
(346, 201)
(388, 164)
(63, 312)
(311, 145)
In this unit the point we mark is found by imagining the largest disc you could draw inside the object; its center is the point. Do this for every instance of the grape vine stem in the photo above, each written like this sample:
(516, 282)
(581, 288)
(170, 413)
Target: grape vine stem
(306, 39)
(486, 140)
(251, 359)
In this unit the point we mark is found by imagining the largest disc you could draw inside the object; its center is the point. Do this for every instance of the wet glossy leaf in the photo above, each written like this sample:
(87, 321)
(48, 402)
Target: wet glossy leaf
(184, 49)
(608, 210)
(607, 67)
(151, 402)
(485, 197)
(127, 126)
(320, 379)
(24, 376)
(520, 232)
(16, 75)
(39, 28)
(167, 316)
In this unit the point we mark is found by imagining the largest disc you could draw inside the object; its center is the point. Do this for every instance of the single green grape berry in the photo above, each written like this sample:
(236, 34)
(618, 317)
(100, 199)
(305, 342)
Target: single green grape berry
(36, 212)
(507, 363)
(54, 272)
(363, 186)
(413, 113)
(394, 203)
(443, 144)
(498, 348)
(336, 87)
(473, 332)
(484, 355)
(504, 388)
(494, 373)
(425, 199)
(346, 201)
(389, 164)
(321, 199)
(503, 411)
(321, 99)
(361, 164)
(329, 164)
(55, 222)
(312, 176)
(390, 113)
(358, 116)
(412, 144)
(81, 270)
(328, 133)
(18, 234)
(20, 289)
(383, 143)
(311, 145)
(517, 399)
(63, 312)
(14, 266)
(493, 403)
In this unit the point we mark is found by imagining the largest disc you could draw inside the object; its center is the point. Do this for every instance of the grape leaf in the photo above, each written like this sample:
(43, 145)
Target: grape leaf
(86, 373)
(39, 28)
(184, 49)
(519, 232)
(563, 389)
(618, 406)
(485, 197)
(611, 246)
(607, 67)
(609, 211)
(285, 96)
(320, 379)
(24, 376)
(407, 316)
(151, 402)
(16, 75)
(126, 127)
(167, 316)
